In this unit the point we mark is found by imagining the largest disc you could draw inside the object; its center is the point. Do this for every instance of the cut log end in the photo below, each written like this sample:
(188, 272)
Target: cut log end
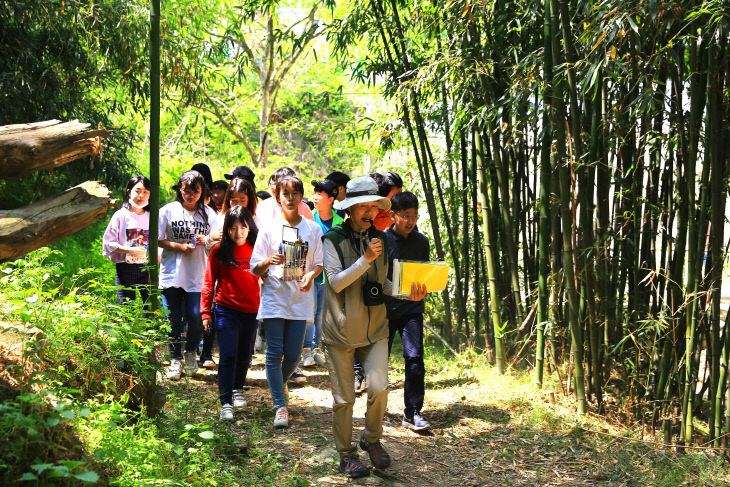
(25, 229)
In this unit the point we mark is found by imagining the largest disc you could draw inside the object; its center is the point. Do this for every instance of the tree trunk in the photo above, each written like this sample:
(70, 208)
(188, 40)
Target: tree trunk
(25, 229)
(27, 148)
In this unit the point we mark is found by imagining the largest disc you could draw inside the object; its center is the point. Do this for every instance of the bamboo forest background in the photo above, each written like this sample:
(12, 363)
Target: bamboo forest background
(570, 156)
(573, 161)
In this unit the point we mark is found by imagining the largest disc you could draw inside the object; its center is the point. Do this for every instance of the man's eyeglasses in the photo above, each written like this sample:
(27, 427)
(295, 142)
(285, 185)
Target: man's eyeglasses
(407, 218)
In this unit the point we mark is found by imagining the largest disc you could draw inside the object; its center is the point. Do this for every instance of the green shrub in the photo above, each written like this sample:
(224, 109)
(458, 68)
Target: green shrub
(83, 342)
(131, 449)
(38, 443)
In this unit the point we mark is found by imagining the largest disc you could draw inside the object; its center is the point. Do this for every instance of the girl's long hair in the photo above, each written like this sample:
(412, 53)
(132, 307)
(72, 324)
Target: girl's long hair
(243, 216)
(194, 180)
(240, 186)
(131, 184)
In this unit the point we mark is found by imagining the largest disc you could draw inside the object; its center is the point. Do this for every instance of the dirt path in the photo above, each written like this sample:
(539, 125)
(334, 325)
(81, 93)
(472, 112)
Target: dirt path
(474, 441)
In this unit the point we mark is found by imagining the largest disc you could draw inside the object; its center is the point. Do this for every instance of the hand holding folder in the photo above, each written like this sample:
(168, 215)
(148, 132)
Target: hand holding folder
(434, 275)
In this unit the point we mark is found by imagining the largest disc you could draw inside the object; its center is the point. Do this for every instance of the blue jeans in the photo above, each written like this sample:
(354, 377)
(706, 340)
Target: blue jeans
(314, 330)
(410, 328)
(178, 302)
(236, 332)
(283, 338)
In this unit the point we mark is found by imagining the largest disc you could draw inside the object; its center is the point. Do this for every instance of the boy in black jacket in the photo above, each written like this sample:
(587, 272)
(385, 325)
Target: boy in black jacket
(406, 317)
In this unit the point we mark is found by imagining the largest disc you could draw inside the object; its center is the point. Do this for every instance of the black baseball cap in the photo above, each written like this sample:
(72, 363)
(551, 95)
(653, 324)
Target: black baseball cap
(326, 186)
(243, 172)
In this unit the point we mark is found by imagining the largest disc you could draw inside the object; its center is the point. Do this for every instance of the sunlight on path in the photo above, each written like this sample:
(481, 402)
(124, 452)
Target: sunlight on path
(481, 435)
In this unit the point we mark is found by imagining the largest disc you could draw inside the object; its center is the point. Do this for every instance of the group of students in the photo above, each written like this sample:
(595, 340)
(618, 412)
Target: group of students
(232, 259)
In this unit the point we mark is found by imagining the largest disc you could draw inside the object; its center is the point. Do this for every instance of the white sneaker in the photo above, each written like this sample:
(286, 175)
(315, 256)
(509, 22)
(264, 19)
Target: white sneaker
(226, 413)
(175, 370)
(239, 400)
(281, 418)
(191, 362)
(319, 357)
(307, 359)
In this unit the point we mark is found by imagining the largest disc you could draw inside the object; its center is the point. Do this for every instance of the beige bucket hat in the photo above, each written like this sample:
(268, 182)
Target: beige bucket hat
(362, 190)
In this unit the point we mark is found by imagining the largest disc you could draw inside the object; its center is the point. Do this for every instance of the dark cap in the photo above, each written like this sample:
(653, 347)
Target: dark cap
(340, 178)
(243, 172)
(327, 187)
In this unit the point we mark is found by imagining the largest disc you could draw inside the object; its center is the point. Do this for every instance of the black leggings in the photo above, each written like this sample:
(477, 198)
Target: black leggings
(132, 276)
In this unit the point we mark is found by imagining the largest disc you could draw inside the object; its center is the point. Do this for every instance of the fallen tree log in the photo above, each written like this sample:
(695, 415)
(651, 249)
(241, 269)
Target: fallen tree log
(26, 148)
(25, 229)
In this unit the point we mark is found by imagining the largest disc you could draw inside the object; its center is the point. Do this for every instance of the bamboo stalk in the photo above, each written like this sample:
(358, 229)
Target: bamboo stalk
(544, 222)
(488, 235)
(566, 220)
(154, 150)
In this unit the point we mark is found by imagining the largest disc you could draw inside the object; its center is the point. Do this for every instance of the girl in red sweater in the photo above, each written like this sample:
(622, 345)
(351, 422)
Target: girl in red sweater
(236, 291)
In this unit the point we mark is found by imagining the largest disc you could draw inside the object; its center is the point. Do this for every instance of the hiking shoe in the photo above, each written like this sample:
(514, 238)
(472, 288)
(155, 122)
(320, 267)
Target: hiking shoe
(359, 383)
(281, 418)
(353, 467)
(208, 364)
(378, 456)
(175, 370)
(318, 357)
(297, 377)
(416, 423)
(191, 362)
(239, 400)
(226, 413)
(307, 359)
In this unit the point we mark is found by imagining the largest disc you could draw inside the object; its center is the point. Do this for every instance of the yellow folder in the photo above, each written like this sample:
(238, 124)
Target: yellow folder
(434, 275)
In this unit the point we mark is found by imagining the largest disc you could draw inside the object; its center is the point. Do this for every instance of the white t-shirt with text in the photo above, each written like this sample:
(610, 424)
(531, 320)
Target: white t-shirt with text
(180, 225)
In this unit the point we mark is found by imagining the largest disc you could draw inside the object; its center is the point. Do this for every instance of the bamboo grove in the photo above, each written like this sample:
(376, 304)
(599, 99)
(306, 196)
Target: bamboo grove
(573, 160)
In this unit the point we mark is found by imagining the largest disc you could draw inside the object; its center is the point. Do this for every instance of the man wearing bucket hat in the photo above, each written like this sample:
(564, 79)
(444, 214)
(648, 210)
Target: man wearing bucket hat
(354, 322)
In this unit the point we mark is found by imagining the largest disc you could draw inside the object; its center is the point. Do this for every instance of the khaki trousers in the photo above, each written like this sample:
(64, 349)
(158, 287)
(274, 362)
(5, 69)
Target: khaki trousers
(374, 359)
